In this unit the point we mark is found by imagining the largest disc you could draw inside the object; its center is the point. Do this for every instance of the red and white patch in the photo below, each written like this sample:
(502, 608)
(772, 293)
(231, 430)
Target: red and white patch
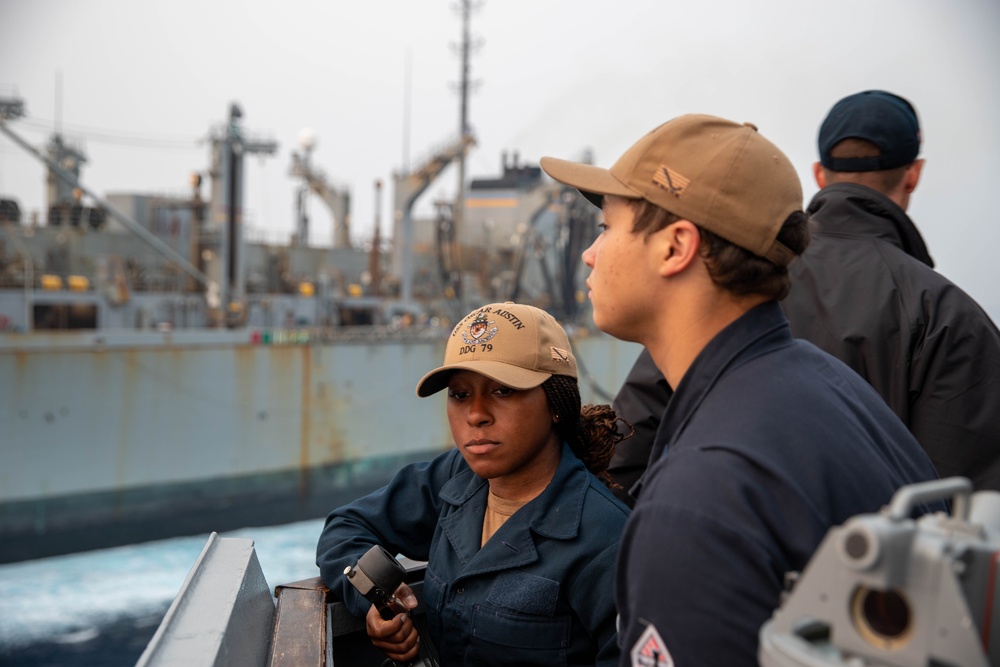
(480, 330)
(650, 650)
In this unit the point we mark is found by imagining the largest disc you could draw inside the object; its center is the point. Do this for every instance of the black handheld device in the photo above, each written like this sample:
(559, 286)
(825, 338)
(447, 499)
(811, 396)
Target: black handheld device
(377, 575)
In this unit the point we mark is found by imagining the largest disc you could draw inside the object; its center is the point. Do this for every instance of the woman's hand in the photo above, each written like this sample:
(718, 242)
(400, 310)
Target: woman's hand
(397, 637)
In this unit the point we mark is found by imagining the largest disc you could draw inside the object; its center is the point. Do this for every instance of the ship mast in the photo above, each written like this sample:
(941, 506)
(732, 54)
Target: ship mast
(464, 130)
(409, 184)
(225, 242)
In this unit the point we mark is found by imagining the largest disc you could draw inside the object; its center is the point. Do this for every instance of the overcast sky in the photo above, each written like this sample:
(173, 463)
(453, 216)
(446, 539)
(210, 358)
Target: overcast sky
(142, 83)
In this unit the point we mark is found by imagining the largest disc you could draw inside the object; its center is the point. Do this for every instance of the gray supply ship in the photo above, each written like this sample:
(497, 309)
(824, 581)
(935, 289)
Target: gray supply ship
(163, 373)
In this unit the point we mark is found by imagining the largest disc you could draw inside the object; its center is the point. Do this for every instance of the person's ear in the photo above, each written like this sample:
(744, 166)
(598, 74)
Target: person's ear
(819, 174)
(913, 175)
(675, 247)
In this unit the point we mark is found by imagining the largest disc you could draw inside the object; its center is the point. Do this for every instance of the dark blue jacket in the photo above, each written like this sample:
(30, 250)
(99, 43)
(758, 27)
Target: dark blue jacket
(540, 592)
(766, 444)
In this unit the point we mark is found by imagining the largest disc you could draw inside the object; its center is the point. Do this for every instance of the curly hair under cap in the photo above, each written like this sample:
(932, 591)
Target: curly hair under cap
(594, 434)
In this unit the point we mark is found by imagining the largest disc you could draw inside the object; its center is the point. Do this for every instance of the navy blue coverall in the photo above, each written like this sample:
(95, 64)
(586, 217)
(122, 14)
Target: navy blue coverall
(539, 592)
(766, 444)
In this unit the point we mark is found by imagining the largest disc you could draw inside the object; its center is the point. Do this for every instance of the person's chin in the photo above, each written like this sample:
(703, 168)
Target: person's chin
(484, 471)
(611, 327)
(481, 463)
(601, 321)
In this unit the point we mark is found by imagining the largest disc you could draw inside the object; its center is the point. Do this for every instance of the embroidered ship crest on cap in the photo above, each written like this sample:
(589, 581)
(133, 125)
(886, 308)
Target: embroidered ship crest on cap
(479, 330)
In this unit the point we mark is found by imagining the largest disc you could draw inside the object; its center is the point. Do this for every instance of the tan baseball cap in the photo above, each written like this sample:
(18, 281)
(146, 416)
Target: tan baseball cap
(718, 174)
(517, 345)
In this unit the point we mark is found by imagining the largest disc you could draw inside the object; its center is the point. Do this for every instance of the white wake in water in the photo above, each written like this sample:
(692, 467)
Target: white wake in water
(68, 598)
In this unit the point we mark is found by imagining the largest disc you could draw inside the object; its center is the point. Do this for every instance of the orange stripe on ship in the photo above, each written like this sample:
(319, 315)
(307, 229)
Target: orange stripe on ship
(491, 203)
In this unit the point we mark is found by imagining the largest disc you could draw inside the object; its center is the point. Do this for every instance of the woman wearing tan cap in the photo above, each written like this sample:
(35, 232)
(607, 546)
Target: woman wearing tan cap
(519, 533)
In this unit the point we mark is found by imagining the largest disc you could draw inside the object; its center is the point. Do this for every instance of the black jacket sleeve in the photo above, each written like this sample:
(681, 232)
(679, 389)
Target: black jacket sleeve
(641, 401)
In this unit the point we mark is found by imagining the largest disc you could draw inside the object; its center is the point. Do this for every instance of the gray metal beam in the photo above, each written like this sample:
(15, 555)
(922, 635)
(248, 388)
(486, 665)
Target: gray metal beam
(223, 615)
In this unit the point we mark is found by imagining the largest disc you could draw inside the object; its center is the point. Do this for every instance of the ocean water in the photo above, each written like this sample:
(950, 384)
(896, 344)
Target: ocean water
(100, 608)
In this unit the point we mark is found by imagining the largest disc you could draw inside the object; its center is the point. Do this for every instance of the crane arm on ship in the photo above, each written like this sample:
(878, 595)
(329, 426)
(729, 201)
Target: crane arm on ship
(413, 183)
(336, 199)
(128, 222)
(410, 185)
(544, 199)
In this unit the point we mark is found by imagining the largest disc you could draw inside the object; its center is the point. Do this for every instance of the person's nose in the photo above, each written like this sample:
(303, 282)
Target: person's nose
(590, 253)
(478, 413)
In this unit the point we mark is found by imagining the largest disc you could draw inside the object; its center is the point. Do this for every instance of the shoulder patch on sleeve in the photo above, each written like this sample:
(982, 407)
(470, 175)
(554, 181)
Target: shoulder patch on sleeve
(650, 650)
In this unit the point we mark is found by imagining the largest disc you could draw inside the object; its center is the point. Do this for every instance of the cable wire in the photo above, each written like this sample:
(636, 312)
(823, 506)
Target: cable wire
(128, 139)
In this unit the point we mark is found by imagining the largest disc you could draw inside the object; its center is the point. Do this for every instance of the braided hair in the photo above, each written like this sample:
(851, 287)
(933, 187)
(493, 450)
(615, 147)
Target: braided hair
(593, 435)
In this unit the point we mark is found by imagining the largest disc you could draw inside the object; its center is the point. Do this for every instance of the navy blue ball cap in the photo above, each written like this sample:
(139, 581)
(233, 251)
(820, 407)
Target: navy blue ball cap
(884, 119)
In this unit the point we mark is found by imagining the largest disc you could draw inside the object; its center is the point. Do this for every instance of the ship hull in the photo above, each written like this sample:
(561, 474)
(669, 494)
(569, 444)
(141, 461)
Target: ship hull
(117, 438)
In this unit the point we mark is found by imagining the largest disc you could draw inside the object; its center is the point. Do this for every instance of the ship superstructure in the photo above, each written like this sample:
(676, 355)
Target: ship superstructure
(165, 371)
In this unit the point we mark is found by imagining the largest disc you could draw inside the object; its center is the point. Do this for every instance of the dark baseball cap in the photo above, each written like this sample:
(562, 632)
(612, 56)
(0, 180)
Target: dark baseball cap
(884, 119)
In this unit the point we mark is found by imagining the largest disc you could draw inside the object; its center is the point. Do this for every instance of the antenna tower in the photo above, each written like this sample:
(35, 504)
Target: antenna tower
(466, 7)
